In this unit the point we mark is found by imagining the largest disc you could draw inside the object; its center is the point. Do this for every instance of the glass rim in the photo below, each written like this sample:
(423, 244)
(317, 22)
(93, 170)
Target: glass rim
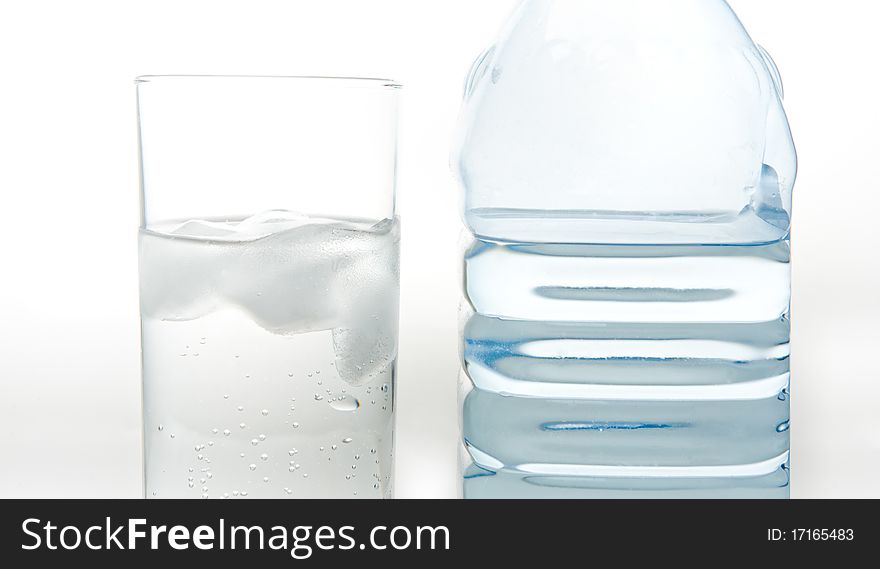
(334, 81)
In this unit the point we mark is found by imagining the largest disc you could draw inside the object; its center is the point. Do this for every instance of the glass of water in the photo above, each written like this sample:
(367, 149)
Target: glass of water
(269, 286)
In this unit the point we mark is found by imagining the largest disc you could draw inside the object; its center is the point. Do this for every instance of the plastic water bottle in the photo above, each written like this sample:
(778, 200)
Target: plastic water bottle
(628, 171)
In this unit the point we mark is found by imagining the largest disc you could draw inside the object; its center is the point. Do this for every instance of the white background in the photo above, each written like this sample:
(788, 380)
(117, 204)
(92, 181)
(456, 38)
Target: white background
(69, 348)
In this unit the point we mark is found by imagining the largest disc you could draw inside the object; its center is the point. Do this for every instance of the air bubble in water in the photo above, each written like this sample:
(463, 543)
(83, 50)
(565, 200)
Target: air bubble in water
(252, 467)
(345, 403)
(264, 457)
(264, 412)
(226, 432)
(347, 440)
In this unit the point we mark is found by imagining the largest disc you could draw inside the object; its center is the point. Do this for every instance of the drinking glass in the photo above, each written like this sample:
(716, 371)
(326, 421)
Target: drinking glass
(269, 285)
